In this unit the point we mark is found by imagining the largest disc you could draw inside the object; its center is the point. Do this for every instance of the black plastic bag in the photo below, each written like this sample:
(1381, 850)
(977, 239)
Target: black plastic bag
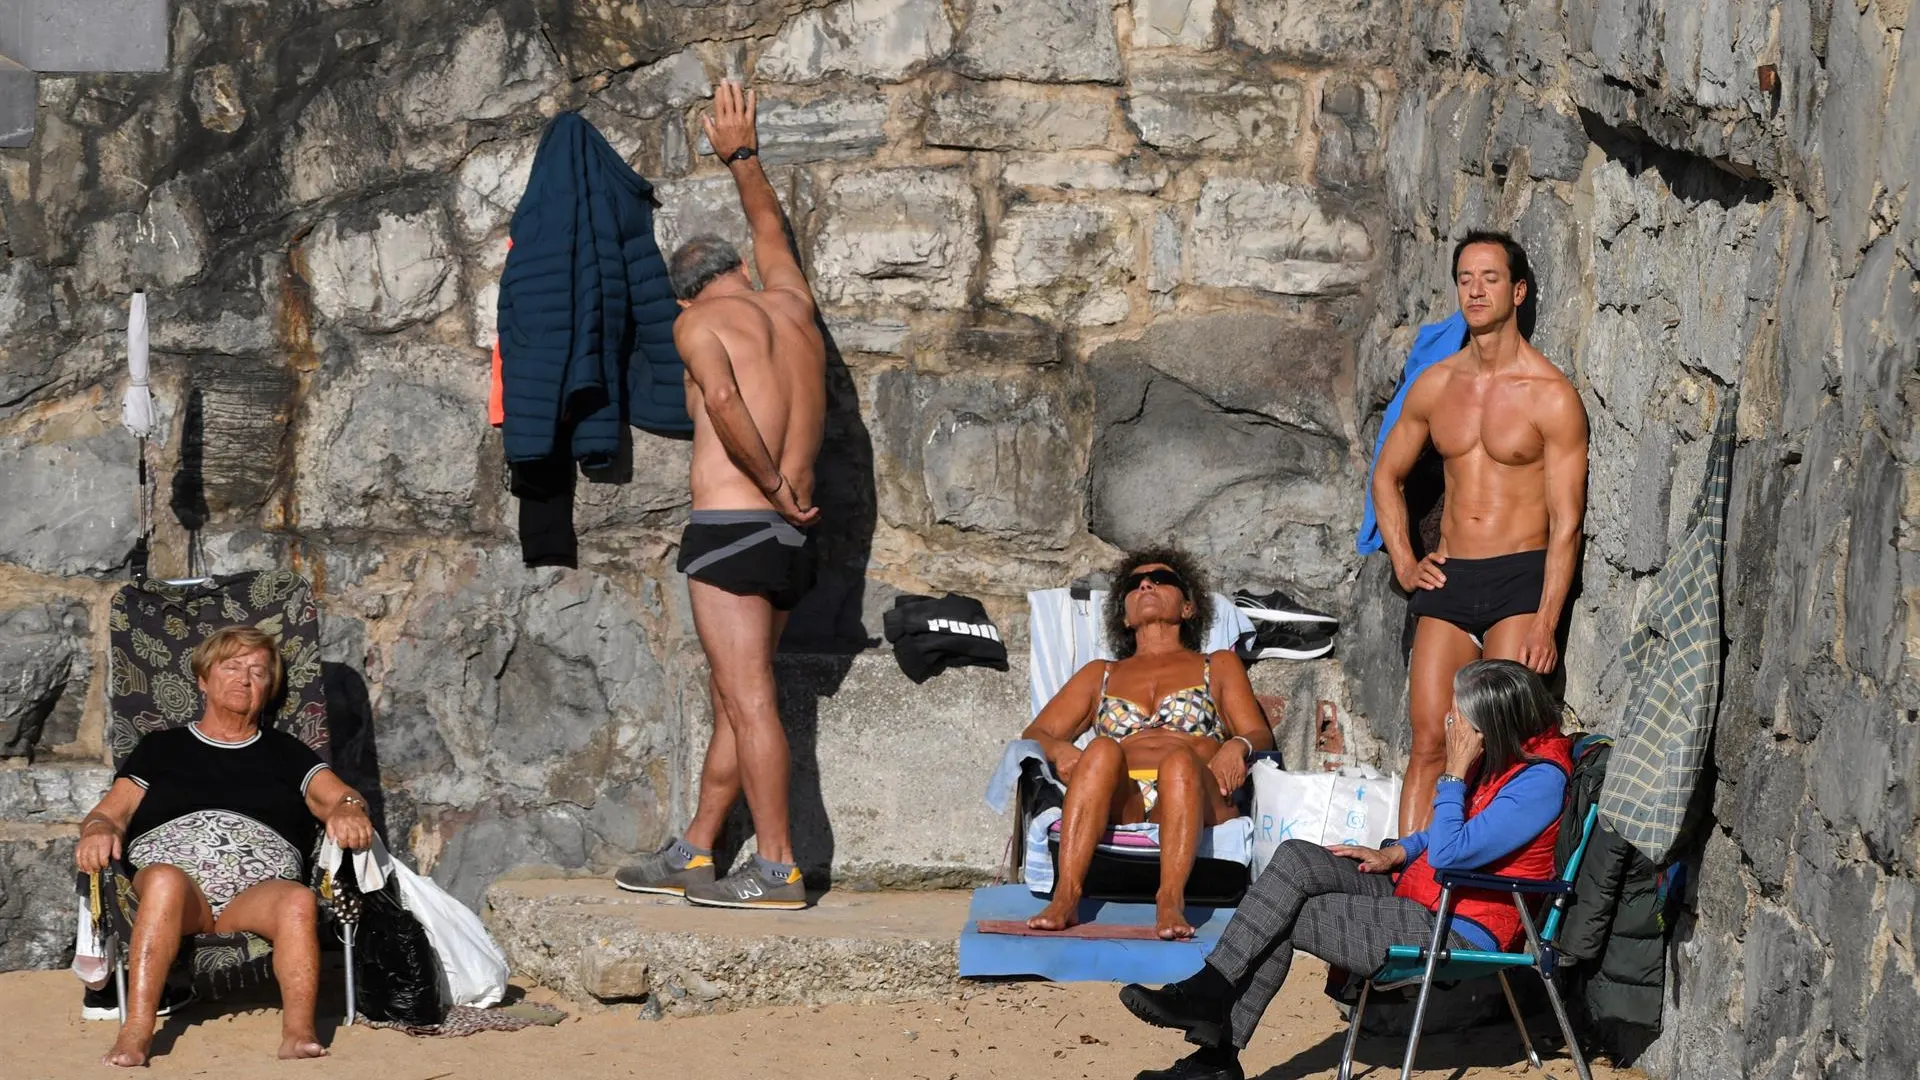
(396, 974)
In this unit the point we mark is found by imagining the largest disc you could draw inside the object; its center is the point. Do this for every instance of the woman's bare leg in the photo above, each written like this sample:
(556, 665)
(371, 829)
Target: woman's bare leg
(171, 907)
(1190, 800)
(1440, 649)
(285, 913)
(1098, 792)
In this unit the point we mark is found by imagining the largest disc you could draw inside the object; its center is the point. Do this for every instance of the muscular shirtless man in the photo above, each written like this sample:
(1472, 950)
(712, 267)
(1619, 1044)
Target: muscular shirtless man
(756, 386)
(1513, 434)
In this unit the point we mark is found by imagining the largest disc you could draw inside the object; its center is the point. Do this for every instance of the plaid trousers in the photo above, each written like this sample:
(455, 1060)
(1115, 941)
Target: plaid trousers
(1309, 898)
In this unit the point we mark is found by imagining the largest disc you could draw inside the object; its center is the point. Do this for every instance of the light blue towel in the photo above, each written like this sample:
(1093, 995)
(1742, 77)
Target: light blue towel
(1434, 343)
(1006, 778)
(1064, 958)
(1065, 635)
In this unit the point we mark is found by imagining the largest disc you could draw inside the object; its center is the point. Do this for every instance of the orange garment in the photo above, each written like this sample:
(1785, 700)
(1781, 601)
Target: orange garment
(496, 396)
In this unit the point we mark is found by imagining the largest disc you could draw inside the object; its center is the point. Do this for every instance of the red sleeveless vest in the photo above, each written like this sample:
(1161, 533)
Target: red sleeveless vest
(1534, 859)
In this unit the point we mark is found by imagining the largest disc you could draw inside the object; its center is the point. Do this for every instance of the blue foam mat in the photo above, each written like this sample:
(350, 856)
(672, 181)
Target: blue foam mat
(1064, 959)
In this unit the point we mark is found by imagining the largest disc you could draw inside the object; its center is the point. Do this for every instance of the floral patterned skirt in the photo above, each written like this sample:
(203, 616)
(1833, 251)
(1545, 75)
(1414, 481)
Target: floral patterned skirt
(223, 852)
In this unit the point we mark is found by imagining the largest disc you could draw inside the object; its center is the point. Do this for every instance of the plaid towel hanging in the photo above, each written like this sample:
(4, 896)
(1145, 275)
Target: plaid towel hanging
(1673, 664)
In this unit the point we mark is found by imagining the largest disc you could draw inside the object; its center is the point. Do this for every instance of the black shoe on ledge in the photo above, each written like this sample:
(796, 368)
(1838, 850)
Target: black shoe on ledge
(1207, 1063)
(1204, 1019)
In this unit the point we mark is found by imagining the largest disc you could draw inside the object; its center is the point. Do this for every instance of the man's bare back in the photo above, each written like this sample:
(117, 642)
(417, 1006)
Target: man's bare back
(756, 388)
(756, 362)
(779, 363)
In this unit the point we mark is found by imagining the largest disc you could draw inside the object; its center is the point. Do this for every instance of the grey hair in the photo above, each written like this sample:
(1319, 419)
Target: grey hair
(699, 261)
(1508, 704)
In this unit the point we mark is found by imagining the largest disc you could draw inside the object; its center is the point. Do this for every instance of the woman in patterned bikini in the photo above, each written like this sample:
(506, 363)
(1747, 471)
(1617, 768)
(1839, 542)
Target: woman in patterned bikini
(217, 819)
(1160, 707)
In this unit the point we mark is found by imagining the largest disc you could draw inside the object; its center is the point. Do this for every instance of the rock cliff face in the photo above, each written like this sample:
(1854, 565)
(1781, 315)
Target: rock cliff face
(1097, 273)
(1718, 198)
(1095, 276)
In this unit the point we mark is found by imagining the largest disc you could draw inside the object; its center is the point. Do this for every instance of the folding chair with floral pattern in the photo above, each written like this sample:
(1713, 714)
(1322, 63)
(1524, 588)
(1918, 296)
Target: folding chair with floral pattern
(153, 628)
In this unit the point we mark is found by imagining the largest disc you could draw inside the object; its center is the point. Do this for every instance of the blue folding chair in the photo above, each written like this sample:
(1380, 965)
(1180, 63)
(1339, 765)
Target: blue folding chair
(1409, 964)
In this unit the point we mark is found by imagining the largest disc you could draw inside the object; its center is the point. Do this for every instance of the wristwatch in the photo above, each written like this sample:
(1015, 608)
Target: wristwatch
(1444, 777)
(742, 154)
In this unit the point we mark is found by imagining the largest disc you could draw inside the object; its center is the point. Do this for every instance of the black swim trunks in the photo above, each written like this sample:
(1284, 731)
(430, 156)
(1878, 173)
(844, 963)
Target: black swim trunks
(748, 553)
(1481, 592)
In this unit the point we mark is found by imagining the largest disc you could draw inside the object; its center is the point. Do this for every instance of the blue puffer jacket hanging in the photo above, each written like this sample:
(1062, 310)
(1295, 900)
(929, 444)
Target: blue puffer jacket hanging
(586, 311)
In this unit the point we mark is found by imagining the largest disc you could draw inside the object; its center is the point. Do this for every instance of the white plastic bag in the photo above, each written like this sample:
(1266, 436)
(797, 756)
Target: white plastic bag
(474, 968)
(370, 866)
(1355, 805)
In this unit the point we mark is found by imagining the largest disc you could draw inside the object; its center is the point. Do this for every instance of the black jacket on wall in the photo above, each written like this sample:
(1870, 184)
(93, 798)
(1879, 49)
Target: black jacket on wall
(1615, 928)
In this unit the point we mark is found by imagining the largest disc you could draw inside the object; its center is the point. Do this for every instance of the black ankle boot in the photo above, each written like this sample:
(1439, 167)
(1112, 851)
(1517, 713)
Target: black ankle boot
(1206, 1063)
(1201, 1015)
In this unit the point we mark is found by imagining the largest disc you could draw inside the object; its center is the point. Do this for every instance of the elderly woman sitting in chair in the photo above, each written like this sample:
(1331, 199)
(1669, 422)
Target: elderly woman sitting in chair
(1163, 708)
(217, 818)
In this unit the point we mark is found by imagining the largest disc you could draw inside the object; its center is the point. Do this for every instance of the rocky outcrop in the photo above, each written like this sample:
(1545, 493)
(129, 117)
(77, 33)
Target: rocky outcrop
(1031, 228)
(48, 660)
(1716, 203)
(1095, 274)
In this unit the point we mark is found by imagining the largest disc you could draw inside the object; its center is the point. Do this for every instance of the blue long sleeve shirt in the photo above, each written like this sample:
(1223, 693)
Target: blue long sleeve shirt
(1524, 808)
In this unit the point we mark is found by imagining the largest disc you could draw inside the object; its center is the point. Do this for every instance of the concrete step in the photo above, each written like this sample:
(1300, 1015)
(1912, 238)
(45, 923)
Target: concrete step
(593, 942)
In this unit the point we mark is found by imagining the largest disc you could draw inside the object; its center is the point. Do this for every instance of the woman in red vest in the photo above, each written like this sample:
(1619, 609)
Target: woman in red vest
(1496, 810)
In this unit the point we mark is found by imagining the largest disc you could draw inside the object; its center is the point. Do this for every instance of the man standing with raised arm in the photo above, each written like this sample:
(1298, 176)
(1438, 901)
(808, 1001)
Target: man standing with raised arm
(1513, 435)
(756, 387)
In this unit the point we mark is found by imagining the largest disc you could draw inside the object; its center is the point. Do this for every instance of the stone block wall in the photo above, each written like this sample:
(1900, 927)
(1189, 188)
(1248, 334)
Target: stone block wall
(1718, 199)
(1096, 275)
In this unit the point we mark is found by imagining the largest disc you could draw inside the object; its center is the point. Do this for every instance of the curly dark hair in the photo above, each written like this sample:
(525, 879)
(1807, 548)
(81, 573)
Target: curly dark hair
(1193, 632)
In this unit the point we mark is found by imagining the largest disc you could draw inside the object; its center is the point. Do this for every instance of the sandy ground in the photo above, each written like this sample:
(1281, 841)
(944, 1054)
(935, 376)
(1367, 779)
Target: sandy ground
(1031, 1030)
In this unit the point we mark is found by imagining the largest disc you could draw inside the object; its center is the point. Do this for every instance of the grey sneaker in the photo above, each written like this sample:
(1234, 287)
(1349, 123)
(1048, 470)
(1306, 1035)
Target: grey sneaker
(657, 873)
(748, 887)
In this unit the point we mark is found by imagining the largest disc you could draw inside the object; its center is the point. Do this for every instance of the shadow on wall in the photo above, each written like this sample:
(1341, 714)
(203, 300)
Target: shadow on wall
(188, 500)
(1691, 177)
(829, 628)
(350, 739)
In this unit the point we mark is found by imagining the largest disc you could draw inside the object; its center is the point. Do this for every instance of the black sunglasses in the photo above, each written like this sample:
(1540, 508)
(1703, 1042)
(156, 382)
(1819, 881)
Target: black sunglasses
(1158, 577)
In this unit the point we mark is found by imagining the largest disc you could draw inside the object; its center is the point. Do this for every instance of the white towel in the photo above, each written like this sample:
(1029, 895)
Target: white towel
(1064, 636)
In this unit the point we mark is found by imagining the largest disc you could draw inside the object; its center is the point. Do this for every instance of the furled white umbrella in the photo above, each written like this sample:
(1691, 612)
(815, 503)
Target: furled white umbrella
(136, 413)
(136, 409)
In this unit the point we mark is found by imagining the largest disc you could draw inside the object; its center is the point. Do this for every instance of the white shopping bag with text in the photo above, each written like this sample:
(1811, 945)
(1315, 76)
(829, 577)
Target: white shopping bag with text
(1355, 805)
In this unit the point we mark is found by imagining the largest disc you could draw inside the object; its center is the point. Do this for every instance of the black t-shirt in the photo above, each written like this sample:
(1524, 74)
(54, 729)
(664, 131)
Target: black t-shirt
(264, 778)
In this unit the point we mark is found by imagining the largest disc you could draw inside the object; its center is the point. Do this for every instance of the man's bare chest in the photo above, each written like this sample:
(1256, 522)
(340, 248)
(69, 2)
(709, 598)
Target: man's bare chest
(1490, 419)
